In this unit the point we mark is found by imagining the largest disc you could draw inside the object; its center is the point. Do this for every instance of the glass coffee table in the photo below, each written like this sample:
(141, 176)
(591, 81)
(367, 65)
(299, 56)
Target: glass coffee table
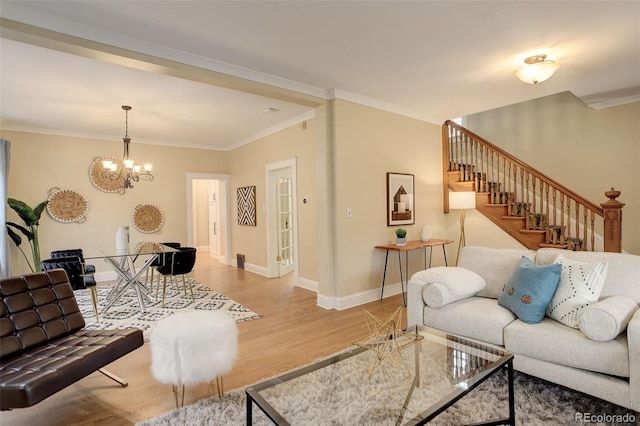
(359, 386)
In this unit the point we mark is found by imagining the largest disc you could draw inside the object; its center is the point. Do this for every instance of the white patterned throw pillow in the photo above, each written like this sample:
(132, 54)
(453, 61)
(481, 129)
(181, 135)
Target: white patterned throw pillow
(580, 284)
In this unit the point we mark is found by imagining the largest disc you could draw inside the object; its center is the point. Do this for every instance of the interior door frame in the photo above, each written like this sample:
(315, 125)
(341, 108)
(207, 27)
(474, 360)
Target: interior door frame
(271, 219)
(224, 208)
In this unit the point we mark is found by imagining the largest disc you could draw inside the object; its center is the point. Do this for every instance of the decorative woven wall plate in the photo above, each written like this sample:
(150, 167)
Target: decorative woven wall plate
(66, 205)
(106, 180)
(149, 248)
(147, 218)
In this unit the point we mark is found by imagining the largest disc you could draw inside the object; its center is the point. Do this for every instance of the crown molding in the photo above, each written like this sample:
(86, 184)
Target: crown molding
(612, 102)
(94, 136)
(273, 129)
(377, 104)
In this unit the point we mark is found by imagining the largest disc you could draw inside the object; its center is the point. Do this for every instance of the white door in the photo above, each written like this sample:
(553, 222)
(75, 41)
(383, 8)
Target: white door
(281, 218)
(284, 197)
(214, 219)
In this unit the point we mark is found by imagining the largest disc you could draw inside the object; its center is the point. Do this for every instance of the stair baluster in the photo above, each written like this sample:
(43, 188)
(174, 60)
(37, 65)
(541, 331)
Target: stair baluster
(550, 213)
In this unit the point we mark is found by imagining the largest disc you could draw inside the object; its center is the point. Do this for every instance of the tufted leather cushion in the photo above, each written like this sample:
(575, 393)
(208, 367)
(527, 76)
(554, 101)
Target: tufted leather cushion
(36, 308)
(88, 269)
(43, 346)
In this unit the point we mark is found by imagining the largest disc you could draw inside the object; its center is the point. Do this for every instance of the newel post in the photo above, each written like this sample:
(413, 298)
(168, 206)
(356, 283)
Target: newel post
(612, 213)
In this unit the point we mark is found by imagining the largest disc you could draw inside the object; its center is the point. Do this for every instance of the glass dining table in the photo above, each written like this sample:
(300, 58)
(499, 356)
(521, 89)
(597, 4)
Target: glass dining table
(128, 273)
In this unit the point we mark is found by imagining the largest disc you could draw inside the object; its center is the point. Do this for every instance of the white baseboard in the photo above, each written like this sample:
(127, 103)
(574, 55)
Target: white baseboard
(105, 276)
(325, 302)
(353, 300)
(307, 284)
(219, 257)
(256, 269)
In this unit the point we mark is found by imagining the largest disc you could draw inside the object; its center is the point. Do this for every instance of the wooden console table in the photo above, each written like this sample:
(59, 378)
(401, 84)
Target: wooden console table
(411, 245)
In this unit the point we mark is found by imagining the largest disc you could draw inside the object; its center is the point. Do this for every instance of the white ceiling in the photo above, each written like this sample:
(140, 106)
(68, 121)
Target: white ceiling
(431, 60)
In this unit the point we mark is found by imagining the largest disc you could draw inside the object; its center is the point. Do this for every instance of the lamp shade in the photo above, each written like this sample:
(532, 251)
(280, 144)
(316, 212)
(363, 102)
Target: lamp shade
(462, 200)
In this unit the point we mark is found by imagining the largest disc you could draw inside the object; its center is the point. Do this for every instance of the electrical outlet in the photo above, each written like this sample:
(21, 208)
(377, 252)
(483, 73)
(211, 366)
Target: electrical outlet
(349, 212)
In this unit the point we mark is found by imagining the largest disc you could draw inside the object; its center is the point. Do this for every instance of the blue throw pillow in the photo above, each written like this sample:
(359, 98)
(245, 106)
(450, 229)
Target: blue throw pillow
(530, 289)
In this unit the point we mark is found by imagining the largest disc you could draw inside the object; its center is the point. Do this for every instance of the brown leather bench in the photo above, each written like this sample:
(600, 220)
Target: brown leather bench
(43, 344)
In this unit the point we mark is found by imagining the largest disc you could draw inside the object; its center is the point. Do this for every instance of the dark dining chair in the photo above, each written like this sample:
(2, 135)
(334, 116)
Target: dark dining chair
(88, 269)
(157, 261)
(77, 278)
(179, 263)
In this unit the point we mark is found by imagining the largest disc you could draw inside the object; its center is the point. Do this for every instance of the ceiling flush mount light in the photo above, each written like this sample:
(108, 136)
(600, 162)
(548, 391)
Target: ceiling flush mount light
(131, 172)
(537, 70)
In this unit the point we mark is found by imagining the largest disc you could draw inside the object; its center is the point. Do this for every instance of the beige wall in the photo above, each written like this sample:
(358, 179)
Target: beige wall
(40, 162)
(368, 144)
(247, 167)
(587, 150)
(342, 156)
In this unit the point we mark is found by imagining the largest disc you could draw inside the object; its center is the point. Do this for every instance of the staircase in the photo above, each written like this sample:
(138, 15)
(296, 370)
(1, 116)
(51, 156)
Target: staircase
(531, 207)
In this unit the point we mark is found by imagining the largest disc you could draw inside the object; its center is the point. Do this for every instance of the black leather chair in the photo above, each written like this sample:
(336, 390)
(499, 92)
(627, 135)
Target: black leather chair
(157, 262)
(88, 269)
(172, 245)
(44, 346)
(77, 278)
(179, 263)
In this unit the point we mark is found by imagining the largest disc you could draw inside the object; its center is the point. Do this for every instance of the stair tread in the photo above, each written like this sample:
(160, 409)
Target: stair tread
(513, 217)
(549, 245)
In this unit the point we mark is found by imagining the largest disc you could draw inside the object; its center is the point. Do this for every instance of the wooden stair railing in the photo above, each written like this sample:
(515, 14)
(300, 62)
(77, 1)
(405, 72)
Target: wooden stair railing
(533, 208)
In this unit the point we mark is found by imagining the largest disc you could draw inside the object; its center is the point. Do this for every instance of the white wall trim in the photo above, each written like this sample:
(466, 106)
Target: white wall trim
(218, 257)
(273, 129)
(357, 299)
(608, 103)
(105, 276)
(256, 269)
(307, 284)
(383, 106)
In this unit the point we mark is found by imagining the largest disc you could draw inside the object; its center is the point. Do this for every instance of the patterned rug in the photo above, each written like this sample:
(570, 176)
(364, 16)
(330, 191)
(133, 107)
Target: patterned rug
(126, 312)
(537, 403)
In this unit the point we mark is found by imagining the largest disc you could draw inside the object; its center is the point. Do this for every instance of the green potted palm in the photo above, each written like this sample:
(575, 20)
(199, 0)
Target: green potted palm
(31, 218)
(401, 237)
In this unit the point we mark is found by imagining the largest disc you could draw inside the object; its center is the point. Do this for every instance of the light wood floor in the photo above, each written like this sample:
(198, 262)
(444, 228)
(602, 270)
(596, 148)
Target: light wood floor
(292, 332)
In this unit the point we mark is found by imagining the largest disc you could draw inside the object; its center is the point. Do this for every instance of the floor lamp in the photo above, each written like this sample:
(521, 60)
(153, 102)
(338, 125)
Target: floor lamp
(462, 200)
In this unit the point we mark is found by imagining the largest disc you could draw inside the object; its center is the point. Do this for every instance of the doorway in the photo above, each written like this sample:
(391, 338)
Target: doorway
(282, 223)
(207, 214)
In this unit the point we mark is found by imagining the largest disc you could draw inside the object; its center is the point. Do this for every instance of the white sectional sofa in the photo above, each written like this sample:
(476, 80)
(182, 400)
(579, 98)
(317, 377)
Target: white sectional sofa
(608, 369)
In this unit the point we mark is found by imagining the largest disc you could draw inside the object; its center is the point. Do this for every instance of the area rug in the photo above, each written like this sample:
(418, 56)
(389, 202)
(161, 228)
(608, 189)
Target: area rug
(537, 402)
(126, 312)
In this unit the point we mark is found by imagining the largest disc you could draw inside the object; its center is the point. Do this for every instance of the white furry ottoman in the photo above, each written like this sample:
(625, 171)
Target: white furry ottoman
(193, 347)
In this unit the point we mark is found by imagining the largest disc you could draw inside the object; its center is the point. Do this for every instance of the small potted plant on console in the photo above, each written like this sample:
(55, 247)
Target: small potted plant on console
(401, 237)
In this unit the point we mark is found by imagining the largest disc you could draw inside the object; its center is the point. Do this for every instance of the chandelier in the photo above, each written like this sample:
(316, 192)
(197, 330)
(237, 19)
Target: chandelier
(131, 172)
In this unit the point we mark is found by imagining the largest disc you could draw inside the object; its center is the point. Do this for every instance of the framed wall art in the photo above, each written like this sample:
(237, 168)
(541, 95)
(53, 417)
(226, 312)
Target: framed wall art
(400, 199)
(247, 205)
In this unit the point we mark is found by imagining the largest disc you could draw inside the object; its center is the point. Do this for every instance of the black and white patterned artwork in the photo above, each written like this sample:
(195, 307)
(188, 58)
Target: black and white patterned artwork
(247, 205)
